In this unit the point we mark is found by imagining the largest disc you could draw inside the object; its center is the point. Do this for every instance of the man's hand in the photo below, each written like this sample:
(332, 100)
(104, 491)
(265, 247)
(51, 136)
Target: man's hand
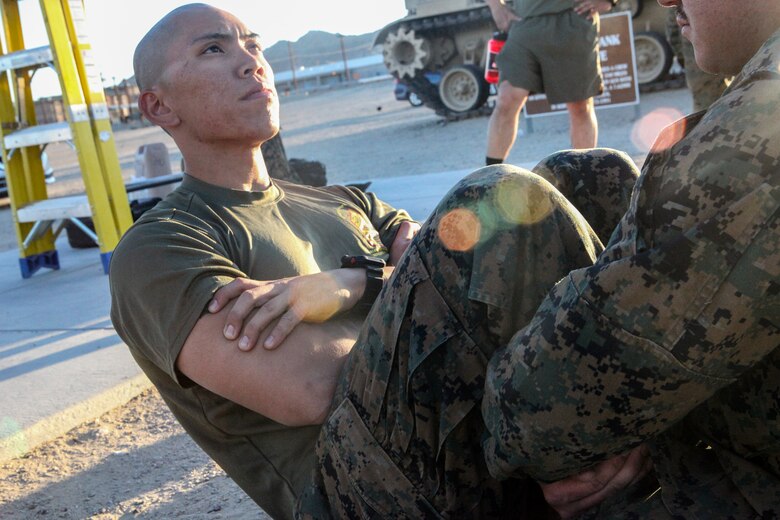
(312, 298)
(574, 495)
(587, 8)
(403, 237)
(502, 15)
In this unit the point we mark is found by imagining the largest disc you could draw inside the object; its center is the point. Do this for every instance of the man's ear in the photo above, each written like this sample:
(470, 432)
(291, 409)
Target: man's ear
(156, 111)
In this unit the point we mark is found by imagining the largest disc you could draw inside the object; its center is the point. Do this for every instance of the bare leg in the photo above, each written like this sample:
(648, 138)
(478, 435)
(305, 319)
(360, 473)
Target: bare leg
(502, 129)
(584, 127)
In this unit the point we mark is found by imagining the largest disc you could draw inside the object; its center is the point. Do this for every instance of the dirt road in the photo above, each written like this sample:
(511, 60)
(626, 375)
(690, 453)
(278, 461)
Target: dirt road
(136, 462)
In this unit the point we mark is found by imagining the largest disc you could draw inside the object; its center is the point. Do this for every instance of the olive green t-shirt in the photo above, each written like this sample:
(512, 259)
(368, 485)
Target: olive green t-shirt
(166, 269)
(529, 8)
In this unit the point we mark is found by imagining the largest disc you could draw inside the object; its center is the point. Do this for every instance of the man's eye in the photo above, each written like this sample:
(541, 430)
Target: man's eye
(211, 49)
(254, 47)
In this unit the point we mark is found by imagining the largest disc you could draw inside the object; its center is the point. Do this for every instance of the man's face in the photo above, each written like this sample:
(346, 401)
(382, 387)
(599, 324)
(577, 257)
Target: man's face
(217, 81)
(725, 33)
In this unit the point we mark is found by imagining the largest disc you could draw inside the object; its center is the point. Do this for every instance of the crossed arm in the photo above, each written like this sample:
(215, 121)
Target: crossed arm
(294, 384)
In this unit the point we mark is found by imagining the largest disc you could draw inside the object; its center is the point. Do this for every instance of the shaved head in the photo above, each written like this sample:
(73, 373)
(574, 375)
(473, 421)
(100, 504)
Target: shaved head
(150, 55)
(203, 79)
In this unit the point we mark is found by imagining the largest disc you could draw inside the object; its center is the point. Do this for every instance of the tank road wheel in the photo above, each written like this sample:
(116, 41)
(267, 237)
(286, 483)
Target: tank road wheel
(632, 6)
(415, 100)
(653, 57)
(462, 88)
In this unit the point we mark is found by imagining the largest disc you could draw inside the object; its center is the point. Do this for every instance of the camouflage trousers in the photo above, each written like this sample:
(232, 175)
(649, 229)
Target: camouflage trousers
(404, 436)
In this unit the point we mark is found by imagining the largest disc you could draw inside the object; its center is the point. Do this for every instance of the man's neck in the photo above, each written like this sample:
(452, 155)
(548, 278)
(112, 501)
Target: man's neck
(237, 167)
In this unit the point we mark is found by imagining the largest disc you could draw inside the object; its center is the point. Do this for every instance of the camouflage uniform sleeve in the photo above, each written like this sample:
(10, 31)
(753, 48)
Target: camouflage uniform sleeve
(620, 351)
(382, 215)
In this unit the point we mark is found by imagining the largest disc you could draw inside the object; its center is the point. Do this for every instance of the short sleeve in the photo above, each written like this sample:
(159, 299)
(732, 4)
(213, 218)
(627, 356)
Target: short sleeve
(163, 273)
(384, 217)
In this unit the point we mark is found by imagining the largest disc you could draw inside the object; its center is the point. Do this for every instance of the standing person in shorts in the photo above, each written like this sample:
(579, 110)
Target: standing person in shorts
(552, 48)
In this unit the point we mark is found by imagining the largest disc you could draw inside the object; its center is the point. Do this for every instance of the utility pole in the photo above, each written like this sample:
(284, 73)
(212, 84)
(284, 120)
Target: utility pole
(117, 100)
(344, 57)
(292, 65)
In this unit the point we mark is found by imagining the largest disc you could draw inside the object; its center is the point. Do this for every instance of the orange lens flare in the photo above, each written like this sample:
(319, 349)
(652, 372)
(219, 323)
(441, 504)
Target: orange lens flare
(646, 130)
(459, 230)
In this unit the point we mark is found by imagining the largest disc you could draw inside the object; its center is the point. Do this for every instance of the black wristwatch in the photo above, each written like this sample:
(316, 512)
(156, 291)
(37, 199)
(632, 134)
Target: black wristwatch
(374, 276)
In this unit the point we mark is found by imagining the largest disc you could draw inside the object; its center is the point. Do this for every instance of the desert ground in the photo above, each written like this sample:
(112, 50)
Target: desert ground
(136, 461)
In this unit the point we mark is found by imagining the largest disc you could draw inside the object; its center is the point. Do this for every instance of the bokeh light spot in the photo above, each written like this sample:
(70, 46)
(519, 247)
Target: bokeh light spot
(459, 230)
(646, 130)
(522, 203)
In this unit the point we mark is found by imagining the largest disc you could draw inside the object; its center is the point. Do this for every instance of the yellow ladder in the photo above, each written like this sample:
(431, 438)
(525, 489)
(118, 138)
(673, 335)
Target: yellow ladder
(88, 128)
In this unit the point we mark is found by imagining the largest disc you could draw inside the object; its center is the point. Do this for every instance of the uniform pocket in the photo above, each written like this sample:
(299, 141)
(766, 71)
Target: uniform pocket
(446, 372)
(371, 364)
(369, 483)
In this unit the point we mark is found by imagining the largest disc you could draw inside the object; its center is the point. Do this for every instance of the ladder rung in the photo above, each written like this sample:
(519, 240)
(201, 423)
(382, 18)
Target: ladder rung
(53, 209)
(38, 135)
(27, 58)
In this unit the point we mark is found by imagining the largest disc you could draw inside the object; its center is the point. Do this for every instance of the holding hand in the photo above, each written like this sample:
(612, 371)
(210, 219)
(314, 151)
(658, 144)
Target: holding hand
(574, 495)
(403, 237)
(313, 298)
(587, 8)
(502, 15)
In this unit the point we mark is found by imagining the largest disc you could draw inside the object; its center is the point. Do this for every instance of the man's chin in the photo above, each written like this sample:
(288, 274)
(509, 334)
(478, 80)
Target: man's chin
(260, 138)
(270, 132)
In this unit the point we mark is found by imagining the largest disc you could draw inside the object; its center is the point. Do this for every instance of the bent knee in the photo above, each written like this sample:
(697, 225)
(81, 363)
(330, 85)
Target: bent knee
(581, 108)
(587, 158)
(510, 98)
(500, 184)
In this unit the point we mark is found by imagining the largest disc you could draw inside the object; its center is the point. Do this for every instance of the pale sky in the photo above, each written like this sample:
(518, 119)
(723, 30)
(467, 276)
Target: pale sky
(115, 26)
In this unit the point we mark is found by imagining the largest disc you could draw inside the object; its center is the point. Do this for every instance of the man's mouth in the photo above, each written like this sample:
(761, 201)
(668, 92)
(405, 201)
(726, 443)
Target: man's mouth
(258, 92)
(682, 18)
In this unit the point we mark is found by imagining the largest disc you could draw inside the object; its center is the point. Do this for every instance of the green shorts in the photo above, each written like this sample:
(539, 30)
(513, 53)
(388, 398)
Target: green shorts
(556, 54)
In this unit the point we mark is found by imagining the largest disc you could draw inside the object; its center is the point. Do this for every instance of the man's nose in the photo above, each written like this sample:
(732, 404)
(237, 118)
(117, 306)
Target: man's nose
(252, 65)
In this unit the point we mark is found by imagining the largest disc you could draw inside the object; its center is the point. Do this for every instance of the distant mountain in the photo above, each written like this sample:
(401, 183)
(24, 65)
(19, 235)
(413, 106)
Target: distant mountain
(318, 48)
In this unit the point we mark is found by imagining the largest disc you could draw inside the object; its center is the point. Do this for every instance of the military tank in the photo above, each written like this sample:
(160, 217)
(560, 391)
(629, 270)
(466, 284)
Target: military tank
(439, 50)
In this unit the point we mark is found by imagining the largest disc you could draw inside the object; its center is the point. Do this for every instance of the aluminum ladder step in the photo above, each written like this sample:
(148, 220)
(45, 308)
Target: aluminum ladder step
(38, 135)
(37, 57)
(55, 208)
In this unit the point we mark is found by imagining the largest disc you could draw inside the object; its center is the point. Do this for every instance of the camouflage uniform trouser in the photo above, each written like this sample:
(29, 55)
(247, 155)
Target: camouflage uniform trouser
(404, 436)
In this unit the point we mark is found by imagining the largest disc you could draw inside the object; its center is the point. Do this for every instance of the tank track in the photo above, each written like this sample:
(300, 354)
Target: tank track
(421, 85)
(449, 20)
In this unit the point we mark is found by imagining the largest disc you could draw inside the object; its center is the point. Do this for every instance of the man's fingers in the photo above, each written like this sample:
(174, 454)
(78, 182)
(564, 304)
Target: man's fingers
(577, 487)
(254, 326)
(283, 327)
(579, 506)
(506, 23)
(639, 458)
(576, 494)
(245, 304)
(226, 293)
(403, 237)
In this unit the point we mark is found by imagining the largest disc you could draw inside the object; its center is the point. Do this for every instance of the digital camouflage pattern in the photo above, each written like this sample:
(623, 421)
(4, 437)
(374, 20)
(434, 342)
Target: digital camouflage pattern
(705, 87)
(672, 336)
(404, 439)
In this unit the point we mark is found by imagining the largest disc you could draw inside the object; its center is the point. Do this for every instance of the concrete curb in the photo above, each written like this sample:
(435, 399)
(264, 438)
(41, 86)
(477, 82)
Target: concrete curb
(18, 443)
